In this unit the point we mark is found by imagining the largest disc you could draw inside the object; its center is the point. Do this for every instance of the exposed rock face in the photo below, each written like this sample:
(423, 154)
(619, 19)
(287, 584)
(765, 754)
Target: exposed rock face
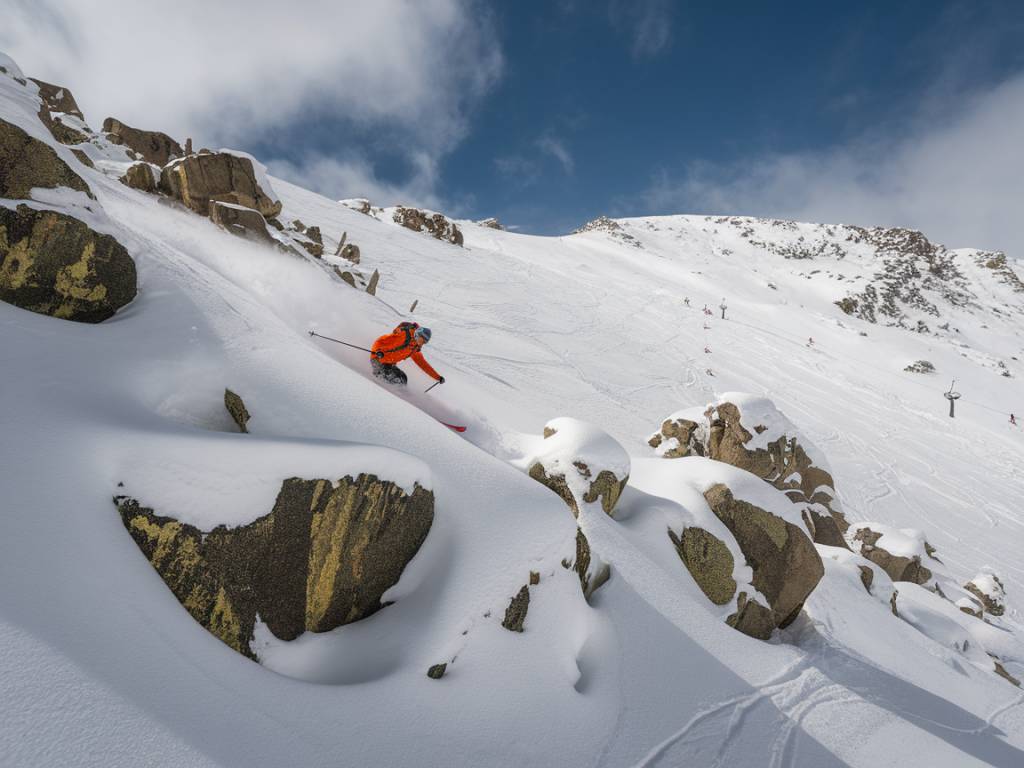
(315, 245)
(897, 567)
(434, 223)
(515, 614)
(243, 222)
(752, 618)
(591, 571)
(491, 223)
(685, 435)
(1001, 671)
(26, 162)
(437, 671)
(610, 227)
(785, 563)
(709, 561)
(920, 366)
(153, 146)
(346, 276)
(990, 591)
(59, 100)
(237, 410)
(218, 176)
(322, 558)
(784, 463)
(140, 176)
(349, 251)
(54, 264)
(371, 287)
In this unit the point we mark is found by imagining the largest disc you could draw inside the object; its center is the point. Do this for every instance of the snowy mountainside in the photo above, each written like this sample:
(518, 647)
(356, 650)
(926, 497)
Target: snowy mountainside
(100, 665)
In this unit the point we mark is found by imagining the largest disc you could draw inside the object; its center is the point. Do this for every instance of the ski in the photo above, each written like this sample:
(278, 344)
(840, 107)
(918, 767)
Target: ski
(453, 426)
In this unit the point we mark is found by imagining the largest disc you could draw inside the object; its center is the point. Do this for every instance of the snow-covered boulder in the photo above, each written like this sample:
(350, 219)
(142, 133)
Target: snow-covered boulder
(990, 591)
(225, 176)
(54, 264)
(749, 432)
(785, 564)
(152, 146)
(581, 463)
(436, 224)
(490, 223)
(323, 557)
(901, 553)
(27, 163)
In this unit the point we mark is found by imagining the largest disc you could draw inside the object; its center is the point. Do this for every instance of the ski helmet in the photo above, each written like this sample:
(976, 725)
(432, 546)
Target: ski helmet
(423, 334)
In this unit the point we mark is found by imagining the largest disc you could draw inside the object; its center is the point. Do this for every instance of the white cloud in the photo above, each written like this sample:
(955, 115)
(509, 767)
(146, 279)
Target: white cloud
(353, 176)
(648, 22)
(958, 177)
(232, 71)
(549, 145)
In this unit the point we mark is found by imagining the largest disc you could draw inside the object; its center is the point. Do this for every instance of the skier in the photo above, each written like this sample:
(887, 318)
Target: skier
(686, 301)
(723, 307)
(392, 348)
(810, 341)
(1013, 420)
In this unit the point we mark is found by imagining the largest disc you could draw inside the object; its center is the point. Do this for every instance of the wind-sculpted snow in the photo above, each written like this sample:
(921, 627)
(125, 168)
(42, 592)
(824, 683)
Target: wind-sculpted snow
(97, 649)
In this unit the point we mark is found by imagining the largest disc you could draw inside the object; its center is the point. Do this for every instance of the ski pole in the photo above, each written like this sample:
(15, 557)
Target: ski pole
(431, 387)
(338, 341)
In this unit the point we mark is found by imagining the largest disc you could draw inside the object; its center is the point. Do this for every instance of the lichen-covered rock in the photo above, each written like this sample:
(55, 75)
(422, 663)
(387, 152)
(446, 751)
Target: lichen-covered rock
(140, 176)
(515, 614)
(153, 146)
(581, 463)
(26, 163)
(437, 671)
(323, 557)
(240, 221)
(217, 176)
(237, 409)
(592, 571)
(902, 561)
(990, 591)
(785, 563)
(435, 224)
(752, 618)
(709, 561)
(54, 264)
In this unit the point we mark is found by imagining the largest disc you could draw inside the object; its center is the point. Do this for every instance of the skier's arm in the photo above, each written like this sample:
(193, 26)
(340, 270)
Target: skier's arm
(417, 357)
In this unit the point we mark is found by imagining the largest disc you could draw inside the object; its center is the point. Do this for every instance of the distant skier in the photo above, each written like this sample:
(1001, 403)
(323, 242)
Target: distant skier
(1013, 420)
(709, 372)
(707, 350)
(723, 306)
(392, 348)
(686, 301)
(810, 341)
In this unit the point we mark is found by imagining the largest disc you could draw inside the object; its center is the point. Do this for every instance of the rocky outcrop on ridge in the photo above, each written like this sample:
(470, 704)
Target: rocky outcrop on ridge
(152, 146)
(436, 224)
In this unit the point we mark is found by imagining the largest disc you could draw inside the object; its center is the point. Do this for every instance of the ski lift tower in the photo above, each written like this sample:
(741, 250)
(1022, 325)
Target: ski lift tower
(952, 397)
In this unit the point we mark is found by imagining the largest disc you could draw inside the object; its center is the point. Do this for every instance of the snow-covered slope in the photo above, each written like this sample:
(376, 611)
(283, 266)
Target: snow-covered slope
(99, 665)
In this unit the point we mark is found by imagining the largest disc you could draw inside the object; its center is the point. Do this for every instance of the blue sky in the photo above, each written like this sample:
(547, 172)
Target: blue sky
(546, 114)
(598, 100)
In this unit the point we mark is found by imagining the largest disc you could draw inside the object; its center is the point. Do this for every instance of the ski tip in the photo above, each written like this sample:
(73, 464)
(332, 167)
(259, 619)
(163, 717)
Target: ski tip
(454, 427)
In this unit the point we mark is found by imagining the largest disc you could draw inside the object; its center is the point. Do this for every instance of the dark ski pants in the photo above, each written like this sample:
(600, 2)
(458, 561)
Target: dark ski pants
(390, 373)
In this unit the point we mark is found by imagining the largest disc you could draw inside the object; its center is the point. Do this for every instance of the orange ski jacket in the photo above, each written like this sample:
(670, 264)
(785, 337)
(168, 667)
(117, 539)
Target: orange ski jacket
(400, 344)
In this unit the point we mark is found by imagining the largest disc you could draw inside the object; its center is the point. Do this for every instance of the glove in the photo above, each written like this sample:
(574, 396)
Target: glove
(441, 380)
(379, 355)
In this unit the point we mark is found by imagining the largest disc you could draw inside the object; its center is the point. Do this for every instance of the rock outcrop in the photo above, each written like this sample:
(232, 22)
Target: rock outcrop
(26, 163)
(58, 102)
(54, 264)
(140, 176)
(216, 176)
(580, 463)
(709, 561)
(350, 252)
(750, 433)
(322, 558)
(435, 224)
(491, 223)
(990, 591)
(515, 614)
(152, 146)
(898, 567)
(240, 221)
(785, 563)
(236, 407)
